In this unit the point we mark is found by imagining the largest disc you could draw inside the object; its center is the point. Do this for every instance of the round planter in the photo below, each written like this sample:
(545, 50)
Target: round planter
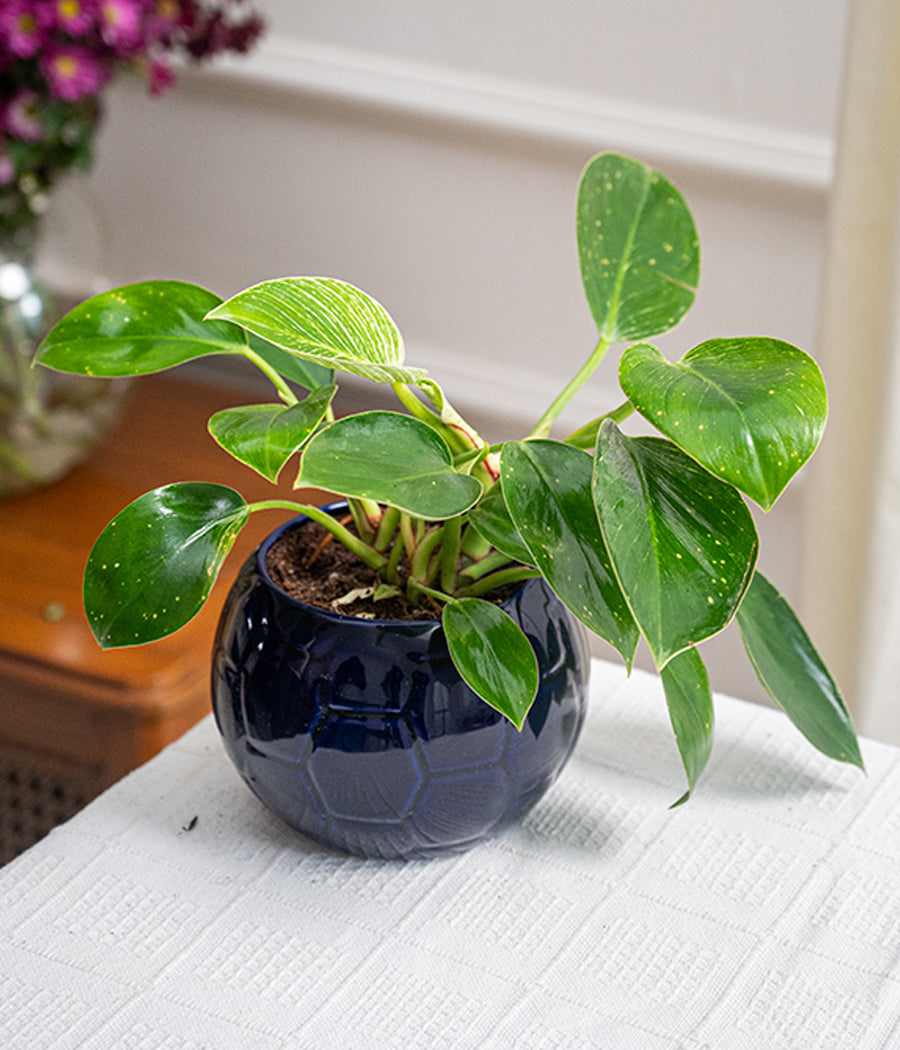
(361, 734)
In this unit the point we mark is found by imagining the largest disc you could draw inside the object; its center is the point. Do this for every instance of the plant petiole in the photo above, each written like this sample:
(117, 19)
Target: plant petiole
(373, 558)
(571, 389)
(514, 574)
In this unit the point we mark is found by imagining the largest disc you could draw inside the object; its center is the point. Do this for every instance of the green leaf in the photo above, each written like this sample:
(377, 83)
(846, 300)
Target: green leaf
(547, 487)
(751, 410)
(690, 703)
(793, 673)
(491, 520)
(493, 656)
(264, 437)
(392, 459)
(638, 248)
(138, 329)
(154, 564)
(683, 543)
(292, 367)
(328, 322)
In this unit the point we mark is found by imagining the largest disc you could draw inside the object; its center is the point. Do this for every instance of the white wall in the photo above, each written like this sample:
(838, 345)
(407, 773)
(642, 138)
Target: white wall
(430, 154)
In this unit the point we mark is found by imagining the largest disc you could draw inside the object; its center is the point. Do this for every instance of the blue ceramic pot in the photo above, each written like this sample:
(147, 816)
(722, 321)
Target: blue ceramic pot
(361, 734)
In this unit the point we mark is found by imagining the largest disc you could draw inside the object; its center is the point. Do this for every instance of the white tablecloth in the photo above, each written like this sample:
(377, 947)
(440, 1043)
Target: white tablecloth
(175, 914)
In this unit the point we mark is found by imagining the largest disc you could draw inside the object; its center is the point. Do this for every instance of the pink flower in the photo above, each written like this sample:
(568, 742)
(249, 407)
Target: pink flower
(23, 26)
(72, 73)
(158, 73)
(164, 18)
(22, 116)
(74, 16)
(120, 23)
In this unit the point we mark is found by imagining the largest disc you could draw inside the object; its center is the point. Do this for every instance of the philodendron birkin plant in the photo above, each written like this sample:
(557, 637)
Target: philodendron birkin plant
(639, 536)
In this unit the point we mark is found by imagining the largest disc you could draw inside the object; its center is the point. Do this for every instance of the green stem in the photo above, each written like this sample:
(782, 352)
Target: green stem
(495, 560)
(415, 588)
(373, 558)
(514, 574)
(450, 553)
(469, 460)
(571, 389)
(586, 437)
(460, 437)
(390, 519)
(366, 517)
(415, 407)
(409, 536)
(474, 545)
(418, 566)
(284, 391)
(391, 570)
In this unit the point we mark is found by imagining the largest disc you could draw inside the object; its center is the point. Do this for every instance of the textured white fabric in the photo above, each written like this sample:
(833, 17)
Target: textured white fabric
(175, 914)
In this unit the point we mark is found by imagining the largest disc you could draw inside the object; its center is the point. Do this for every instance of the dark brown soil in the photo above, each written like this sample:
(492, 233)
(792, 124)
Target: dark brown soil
(311, 566)
(308, 564)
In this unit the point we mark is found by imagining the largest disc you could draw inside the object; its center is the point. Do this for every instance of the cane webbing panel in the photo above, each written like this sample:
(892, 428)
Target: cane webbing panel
(37, 792)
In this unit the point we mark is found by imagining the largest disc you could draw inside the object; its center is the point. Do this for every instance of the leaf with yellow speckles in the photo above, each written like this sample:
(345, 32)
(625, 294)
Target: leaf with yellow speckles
(138, 329)
(690, 703)
(682, 543)
(547, 488)
(751, 410)
(155, 563)
(638, 248)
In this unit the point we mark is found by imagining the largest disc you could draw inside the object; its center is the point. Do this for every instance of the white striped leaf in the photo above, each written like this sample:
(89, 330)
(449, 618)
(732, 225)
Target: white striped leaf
(326, 321)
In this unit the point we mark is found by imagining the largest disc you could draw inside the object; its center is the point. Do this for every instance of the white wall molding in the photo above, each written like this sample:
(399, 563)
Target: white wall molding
(514, 107)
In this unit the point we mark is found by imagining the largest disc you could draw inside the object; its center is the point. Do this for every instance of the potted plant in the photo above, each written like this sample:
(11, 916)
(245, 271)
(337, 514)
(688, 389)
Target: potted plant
(498, 551)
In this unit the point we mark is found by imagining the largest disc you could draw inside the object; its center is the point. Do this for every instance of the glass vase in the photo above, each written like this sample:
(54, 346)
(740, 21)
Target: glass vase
(49, 421)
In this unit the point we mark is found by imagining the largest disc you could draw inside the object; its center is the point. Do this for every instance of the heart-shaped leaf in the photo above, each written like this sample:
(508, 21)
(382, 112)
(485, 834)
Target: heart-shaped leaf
(638, 248)
(264, 437)
(491, 520)
(326, 321)
(138, 329)
(793, 673)
(683, 543)
(392, 459)
(690, 703)
(547, 488)
(154, 564)
(493, 656)
(751, 410)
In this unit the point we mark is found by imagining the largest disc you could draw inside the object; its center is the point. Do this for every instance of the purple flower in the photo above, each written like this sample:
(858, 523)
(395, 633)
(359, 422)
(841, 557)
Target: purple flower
(23, 26)
(160, 76)
(75, 17)
(120, 24)
(57, 56)
(163, 19)
(22, 119)
(72, 72)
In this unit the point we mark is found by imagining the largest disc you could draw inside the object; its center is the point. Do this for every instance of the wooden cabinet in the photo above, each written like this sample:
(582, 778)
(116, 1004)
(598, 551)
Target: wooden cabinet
(73, 719)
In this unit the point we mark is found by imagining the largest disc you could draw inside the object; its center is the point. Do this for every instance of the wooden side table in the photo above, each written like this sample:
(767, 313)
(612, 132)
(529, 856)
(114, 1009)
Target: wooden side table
(74, 719)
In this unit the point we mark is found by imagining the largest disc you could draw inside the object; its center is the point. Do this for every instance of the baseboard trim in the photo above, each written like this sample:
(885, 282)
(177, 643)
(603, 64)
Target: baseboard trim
(512, 107)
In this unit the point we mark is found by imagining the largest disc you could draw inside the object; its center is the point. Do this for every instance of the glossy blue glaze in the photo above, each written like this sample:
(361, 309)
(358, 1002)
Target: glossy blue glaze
(361, 734)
